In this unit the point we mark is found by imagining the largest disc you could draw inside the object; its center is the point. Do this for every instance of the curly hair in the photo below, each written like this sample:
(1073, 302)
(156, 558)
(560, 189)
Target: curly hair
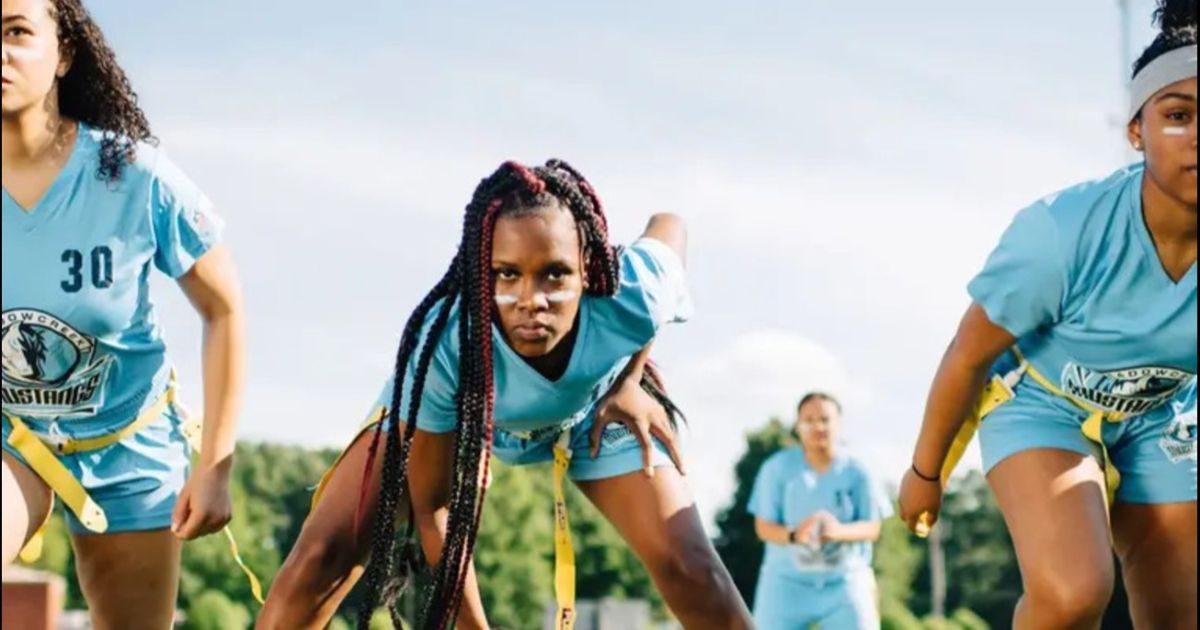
(1177, 19)
(96, 92)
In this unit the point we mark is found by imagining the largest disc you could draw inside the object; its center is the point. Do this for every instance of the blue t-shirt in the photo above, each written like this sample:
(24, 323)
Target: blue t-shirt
(653, 292)
(787, 491)
(81, 345)
(1078, 280)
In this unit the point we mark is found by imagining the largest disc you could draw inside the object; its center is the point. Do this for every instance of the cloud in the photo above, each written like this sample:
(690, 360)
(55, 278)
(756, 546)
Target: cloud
(737, 387)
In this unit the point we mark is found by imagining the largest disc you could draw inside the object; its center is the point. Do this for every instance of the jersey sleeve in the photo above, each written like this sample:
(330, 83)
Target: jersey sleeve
(653, 292)
(185, 225)
(766, 499)
(1023, 284)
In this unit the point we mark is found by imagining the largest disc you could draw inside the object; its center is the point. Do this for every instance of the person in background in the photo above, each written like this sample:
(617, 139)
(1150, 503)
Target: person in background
(819, 513)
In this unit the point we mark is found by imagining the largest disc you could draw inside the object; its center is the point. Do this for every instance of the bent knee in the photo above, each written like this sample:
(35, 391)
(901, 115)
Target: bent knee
(323, 560)
(1073, 597)
(699, 570)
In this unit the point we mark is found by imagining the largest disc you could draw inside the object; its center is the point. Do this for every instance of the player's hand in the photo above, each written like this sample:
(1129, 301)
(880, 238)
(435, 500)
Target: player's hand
(920, 503)
(645, 417)
(204, 506)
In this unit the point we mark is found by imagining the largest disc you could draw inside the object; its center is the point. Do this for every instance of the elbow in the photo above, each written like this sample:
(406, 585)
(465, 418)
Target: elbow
(965, 355)
(670, 229)
(669, 218)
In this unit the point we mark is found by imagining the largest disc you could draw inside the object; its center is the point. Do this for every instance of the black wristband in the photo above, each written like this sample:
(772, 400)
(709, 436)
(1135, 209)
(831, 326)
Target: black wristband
(792, 539)
(923, 477)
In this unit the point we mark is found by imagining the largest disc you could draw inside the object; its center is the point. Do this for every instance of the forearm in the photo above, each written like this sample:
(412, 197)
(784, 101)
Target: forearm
(224, 375)
(769, 532)
(861, 531)
(955, 390)
(671, 230)
(637, 365)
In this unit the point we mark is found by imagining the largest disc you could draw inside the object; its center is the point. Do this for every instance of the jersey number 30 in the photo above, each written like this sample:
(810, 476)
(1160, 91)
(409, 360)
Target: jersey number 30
(101, 269)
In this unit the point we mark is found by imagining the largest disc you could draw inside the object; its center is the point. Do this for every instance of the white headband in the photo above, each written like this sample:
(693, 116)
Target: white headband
(1173, 67)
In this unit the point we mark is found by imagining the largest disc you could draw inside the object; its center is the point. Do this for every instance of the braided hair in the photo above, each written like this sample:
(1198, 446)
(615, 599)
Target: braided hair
(96, 92)
(469, 283)
(1177, 18)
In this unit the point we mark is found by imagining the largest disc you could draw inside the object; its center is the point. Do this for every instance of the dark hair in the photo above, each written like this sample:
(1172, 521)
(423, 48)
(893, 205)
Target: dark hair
(469, 283)
(814, 396)
(96, 91)
(1177, 19)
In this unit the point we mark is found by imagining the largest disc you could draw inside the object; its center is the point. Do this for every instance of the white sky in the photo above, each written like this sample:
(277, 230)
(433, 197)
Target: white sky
(845, 174)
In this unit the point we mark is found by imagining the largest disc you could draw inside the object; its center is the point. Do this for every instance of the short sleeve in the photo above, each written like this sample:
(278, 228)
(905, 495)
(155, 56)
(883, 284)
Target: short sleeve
(1023, 284)
(439, 390)
(871, 503)
(766, 500)
(653, 292)
(185, 225)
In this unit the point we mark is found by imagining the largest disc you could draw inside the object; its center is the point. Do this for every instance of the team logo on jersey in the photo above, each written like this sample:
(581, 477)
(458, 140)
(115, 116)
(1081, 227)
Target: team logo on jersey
(1179, 439)
(50, 368)
(1130, 392)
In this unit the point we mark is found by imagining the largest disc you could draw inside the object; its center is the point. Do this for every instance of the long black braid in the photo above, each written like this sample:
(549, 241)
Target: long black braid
(469, 284)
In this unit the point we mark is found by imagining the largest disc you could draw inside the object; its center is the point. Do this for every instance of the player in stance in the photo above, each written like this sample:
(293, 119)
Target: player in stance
(534, 346)
(90, 210)
(1077, 364)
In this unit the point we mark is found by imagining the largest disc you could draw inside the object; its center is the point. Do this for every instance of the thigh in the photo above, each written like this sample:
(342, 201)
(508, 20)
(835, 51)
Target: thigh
(656, 516)
(1157, 547)
(1055, 507)
(857, 606)
(331, 552)
(340, 521)
(27, 503)
(783, 604)
(130, 580)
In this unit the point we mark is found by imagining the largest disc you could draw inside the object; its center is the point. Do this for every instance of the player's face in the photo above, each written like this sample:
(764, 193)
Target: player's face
(32, 59)
(1167, 134)
(537, 262)
(818, 423)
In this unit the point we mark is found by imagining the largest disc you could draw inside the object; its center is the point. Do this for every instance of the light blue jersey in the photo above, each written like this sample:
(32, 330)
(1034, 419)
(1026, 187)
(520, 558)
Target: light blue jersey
(831, 585)
(1077, 279)
(653, 292)
(81, 344)
(787, 491)
(83, 351)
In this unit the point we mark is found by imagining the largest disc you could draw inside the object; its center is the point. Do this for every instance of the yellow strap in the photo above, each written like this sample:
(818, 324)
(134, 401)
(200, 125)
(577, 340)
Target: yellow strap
(999, 391)
(193, 432)
(377, 416)
(32, 551)
(46, 464)
(1093, 426)
(996, 393)
(564, 550)
(51, 470)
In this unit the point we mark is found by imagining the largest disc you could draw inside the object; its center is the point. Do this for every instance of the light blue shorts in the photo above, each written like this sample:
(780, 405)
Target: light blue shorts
(620, 451)
(836, 602)
(1155, 452)
(135, 481)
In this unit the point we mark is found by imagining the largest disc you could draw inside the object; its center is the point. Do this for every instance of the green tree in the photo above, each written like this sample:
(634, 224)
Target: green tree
(736, 541)
(213, 610)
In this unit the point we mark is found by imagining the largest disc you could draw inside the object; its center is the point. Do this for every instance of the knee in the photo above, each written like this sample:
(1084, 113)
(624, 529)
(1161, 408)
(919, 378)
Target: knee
(694, 571)
(1069, 598)
(318, 562)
